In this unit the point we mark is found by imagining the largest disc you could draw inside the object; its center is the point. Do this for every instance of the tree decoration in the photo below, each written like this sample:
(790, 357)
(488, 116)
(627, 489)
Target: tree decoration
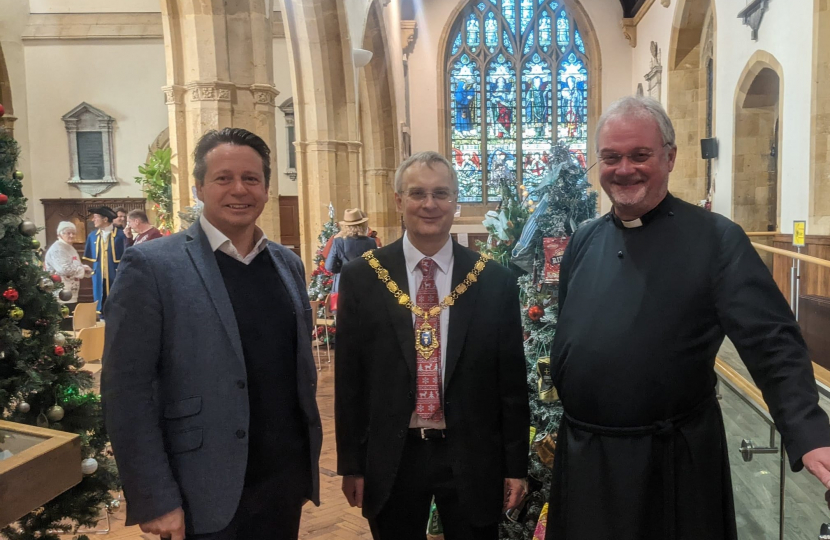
(45, 284)
(35, 244)
(2, 110)
(59, 351)
(321, 279)
(28, 228)
(18, 175)
(16, 313)
(60, 339)
(55, 413)
(64, 312)
(535, 313)
(3, 199)
(56, 278)
(65, 295)
(24, 407)
(89, 466)
(11, 294)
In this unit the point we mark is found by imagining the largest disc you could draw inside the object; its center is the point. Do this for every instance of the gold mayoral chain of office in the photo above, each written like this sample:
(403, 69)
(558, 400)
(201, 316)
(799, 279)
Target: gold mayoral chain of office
(425, 335)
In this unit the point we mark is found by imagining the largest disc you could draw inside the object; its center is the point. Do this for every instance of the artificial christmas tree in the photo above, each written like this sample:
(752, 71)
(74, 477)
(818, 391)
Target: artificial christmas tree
(533, 226)
(321, 279)
(41, 380)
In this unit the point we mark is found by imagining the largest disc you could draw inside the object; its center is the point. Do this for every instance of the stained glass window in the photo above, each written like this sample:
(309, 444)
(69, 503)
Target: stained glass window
(465, 113)
(508, 7)
(473, 29)
(562, 30)
(491, 32)
(456, 44)
(578, 41)
(527, 14)
(511, 99)
(572, 106)
(506, 40)
(545, 31)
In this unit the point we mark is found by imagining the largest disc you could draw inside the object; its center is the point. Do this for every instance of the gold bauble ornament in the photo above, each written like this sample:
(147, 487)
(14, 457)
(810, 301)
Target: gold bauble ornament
(55, 413)
(16, 313)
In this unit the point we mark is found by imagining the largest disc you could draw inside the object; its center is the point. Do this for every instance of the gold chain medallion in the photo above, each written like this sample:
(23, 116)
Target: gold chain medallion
(426, 337)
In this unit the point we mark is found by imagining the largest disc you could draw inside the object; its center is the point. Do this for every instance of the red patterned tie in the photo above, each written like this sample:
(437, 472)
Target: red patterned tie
(428, 403)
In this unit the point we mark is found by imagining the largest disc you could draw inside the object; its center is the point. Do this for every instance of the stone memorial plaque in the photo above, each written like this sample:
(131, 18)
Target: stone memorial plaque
(91, 155)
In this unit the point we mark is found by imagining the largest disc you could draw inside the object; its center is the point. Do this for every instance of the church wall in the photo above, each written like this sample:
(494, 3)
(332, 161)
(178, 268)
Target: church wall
(782, 34)
(820, 156)
(121, 77)
(282, 81)
(656, 25)
(93, 6)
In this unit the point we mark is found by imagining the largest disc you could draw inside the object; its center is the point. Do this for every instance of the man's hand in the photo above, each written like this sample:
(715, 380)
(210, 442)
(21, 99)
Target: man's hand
(818, 463)
(170, 525)
(353, 490)
(128, 232)
(514, 491)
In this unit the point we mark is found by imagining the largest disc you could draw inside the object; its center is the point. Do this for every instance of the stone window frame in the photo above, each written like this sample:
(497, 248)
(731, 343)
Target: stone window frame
(287, 109)
(86, 118)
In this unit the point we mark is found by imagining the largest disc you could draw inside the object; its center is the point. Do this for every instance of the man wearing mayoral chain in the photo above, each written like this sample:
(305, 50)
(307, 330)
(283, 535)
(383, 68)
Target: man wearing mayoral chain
(430, 382)
(647, 293)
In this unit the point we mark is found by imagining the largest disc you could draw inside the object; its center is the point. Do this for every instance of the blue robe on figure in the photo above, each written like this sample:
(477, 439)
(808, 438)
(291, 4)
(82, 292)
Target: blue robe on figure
(104, 259)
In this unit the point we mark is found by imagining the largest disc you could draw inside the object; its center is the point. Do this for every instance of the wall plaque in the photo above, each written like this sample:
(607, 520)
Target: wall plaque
(91, 156)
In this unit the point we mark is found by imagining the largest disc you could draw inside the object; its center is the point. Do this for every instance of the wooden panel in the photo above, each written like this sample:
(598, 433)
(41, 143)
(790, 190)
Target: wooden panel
(290, 223)
(77, 211)
(37, 475)
(814, 317)
(815, 280)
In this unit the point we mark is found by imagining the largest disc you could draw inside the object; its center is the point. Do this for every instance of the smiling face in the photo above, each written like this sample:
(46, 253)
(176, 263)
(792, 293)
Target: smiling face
(429, 220)
(634, 188)
(234, 189)
(121, 219)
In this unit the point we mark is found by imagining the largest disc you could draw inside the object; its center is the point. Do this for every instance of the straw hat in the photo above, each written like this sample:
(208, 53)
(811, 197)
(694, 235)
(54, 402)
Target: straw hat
(354, 216)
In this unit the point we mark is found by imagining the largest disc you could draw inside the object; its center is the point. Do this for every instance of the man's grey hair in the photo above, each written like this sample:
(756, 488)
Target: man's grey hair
(640, 106)
(428, 158)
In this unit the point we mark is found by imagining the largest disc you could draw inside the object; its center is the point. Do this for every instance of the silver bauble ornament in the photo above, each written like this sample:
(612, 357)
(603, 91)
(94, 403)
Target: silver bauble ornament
(89, 466)
(24, 407)
(55, 413)
(65, 295)
(45, 284)
(321, 296)
(60, 339)
(113, 506)
(28, 228)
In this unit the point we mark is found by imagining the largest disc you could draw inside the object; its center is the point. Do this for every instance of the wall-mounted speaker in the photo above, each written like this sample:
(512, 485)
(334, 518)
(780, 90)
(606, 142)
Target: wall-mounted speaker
(709, 148)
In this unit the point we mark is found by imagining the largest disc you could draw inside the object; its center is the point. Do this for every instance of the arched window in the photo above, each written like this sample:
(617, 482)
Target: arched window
(518, 83)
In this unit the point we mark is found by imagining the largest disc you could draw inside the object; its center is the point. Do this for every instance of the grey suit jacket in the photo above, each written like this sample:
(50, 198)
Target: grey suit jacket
(174, 380)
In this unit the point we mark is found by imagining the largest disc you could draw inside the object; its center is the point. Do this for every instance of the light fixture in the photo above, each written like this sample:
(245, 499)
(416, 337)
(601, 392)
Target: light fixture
(361, 57)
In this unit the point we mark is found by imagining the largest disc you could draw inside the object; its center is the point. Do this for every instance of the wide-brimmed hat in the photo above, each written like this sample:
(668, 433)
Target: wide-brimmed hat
(104, 211)
(354, 216)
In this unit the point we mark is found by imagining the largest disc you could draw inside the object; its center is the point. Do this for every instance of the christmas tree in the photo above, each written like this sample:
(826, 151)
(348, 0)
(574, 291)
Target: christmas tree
(41, 380)
(533, 227)
(321, 279)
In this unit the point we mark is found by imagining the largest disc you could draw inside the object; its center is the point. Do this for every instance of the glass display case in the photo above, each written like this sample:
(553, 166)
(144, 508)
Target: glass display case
(36, 465)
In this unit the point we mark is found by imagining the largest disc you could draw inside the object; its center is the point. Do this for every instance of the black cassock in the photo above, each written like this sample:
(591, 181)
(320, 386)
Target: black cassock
(643, 311)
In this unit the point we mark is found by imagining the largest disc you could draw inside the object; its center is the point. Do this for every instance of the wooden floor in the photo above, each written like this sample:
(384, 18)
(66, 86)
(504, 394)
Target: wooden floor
(334, 519)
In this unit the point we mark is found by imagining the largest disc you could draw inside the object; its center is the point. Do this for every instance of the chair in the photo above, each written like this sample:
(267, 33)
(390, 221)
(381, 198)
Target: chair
(85, 316)
(92, 343)
(325, 322)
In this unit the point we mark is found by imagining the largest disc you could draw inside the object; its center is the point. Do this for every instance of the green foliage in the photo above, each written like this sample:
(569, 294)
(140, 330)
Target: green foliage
(33, 370)
(156, 179)
(505, 224)
(565, 200)
(321, 279)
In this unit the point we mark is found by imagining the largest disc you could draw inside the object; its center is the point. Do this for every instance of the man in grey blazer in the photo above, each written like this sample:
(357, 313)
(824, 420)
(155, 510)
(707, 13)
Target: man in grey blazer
(208, 382)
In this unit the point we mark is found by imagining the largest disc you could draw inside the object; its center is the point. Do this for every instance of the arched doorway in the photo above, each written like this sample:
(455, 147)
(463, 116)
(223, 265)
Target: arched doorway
(691, 96)
(378, 121)
(756, 156)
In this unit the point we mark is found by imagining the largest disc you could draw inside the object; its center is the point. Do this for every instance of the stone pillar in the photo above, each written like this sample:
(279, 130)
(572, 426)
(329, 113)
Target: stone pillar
(380, 203)
(325, 114)
(220, 73)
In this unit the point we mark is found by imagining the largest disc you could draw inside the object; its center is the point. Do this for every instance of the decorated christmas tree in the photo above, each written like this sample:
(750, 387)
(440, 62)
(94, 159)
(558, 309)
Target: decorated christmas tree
(321, 279)
(533, 227)
(42, 382)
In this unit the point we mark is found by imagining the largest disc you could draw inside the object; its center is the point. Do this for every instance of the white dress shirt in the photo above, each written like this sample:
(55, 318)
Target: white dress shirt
(443, 282)
(105, 234)
(218, 241)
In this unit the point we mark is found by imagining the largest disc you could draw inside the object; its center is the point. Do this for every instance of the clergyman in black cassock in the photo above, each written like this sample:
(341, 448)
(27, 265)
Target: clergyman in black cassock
(644, 307)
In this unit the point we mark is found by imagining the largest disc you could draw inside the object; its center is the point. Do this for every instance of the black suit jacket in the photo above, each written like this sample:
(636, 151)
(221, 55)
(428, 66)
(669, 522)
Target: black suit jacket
(485, 400)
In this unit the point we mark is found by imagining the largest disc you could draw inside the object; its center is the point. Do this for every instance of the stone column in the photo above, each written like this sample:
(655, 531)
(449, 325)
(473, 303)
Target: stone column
(380, 203)
(220, 73)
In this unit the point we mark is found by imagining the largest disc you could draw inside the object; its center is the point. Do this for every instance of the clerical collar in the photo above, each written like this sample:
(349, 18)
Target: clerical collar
(646, 218)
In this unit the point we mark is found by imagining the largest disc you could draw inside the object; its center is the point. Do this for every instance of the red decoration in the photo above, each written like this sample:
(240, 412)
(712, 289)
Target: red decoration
(11, 295)
(535, 313)
(3, 198)
(59, 351)
(56, 278)
(2, 110)
(554, 250)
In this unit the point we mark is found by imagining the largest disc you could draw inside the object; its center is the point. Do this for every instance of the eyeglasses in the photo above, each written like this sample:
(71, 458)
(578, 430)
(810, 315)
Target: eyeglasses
(439, 195)
(640, 156)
